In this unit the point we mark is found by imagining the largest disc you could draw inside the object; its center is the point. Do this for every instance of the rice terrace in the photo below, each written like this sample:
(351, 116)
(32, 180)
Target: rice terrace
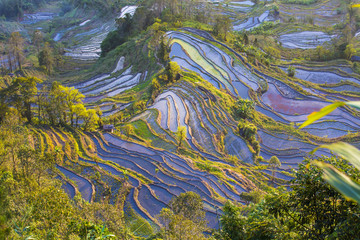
(179, 120)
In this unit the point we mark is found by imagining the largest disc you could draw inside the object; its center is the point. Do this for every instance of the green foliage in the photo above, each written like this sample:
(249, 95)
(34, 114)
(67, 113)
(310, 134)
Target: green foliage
(21, 94)
(163, 53)
(16, 51)
(176, 226)
(273, 52)
(155, 85)
(323, 53)
(46, 58)
(128, 27)
(207, 167)
(349, 51)
(128, 130)
(243, 108)
(32, 204)
(248, 131)
(58, 106)
(291, 71)
(222, 26)
(185, 219)
(5, 216)
(311, 210)
(112, 40)
(274, 163)
(15, 8)
(265, 28)
(343, 183)
(232, 222)
(190, 205)
(254, 196)
(172, 71)
(181, 135)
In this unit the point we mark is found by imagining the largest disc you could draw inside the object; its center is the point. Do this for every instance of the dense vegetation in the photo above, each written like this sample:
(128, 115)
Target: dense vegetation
(53, 108)
(16, 8)
(312, 209)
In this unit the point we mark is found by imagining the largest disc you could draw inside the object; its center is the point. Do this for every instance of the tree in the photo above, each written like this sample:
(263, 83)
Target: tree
(274, 163)
(16, 43)
(189, 205)
(99, 114)
(349, 51)
(128, 129)
(232, 222)
(90, 119)
(244, 108)
(12, 136)
(163, 53)
(78, 111)
(254, 196)
(23, 92)
(222, 26)
(247, 130)
(320, 52)
(185, 219)
(319, 211)
(155, 85)
(173, 71)
(55, 106)
(291, 71)
(312, 209)
(61, 105)
(178, 227)
(159, 38)
(46, 58)
(72, 97)
(37, 39)
(246, 39)
(181, 134)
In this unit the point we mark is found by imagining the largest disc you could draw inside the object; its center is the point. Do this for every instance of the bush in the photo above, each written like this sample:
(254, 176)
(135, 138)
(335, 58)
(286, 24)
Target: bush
(248, 131)
(291, 71)
(173, 71)
(244, 108)
(112, 40)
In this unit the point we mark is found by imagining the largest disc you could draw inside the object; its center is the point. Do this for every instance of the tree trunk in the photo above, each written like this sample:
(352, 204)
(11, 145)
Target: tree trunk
(39, 107)
(28, 113)
(18, 60)
(9, 61)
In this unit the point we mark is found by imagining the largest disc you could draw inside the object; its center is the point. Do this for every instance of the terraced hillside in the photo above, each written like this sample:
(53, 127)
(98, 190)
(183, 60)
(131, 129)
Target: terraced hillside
(88, 37)
(279, 102)
(158, 175)
(153, 176)
(171, 95)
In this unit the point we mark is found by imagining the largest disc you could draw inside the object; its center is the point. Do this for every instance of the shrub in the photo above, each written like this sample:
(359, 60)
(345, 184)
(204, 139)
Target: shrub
(291, 71)
(173, 72)
(244, 108)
